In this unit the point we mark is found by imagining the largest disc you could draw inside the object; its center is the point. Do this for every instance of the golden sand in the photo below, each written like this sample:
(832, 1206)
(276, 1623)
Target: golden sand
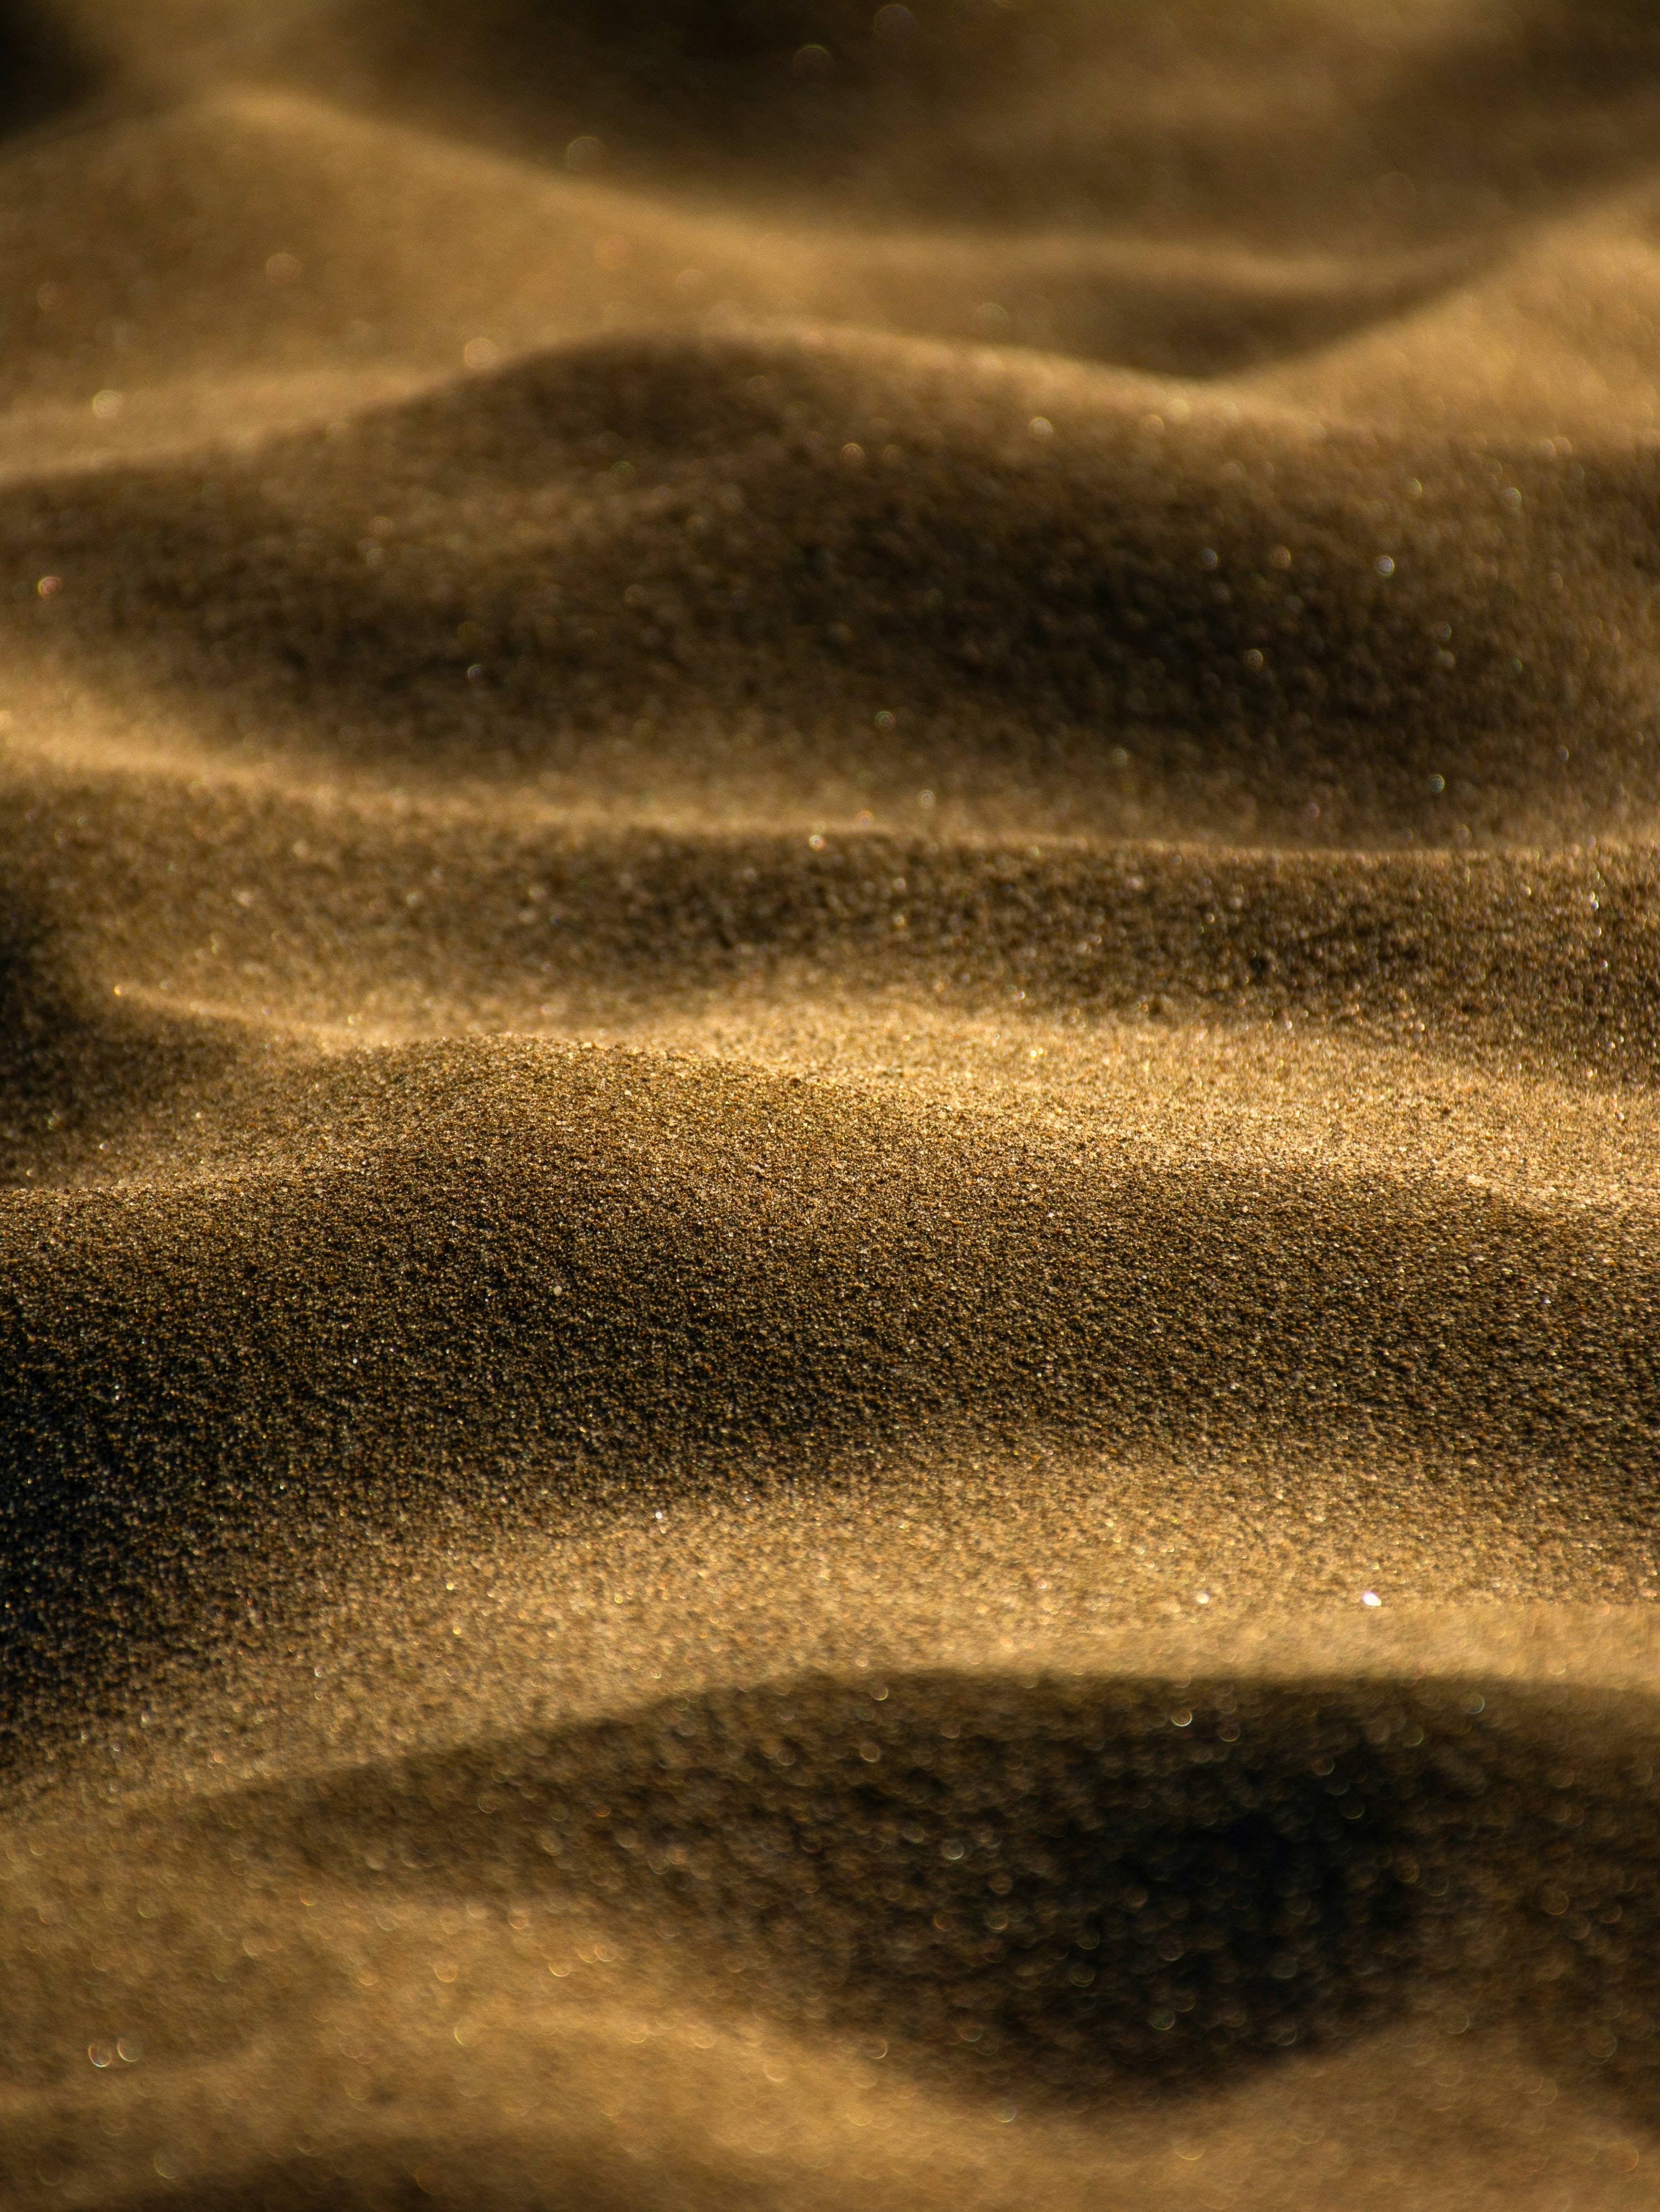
(828, 1150)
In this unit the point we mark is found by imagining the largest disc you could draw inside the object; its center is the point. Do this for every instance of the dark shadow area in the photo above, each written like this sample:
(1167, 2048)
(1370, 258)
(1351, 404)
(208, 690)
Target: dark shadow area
(597, 1280)
(1061, 112)
(72, 1077)
(44, 68)
(1061, 1889)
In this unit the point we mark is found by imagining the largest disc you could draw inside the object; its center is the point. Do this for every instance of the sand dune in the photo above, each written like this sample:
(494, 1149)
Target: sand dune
(557, 562)
(828, 1138)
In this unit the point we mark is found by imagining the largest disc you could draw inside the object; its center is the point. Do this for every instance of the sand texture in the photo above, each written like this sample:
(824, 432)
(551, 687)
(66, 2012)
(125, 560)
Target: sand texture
(830, 1105)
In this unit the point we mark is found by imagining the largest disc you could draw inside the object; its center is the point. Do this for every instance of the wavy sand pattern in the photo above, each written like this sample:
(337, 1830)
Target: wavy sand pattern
(828, 1150)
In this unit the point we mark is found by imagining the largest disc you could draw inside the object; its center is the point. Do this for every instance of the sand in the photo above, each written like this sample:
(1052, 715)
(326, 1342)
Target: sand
(828, 1149)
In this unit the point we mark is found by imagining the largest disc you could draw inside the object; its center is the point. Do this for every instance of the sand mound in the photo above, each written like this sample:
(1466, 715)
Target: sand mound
(45, 68)
(1286, 630)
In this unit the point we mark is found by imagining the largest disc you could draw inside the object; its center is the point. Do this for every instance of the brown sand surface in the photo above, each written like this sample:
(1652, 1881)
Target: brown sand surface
(830, 1160)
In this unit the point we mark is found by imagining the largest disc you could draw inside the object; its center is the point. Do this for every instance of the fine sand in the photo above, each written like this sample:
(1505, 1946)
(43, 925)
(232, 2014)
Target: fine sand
(830, 1105)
